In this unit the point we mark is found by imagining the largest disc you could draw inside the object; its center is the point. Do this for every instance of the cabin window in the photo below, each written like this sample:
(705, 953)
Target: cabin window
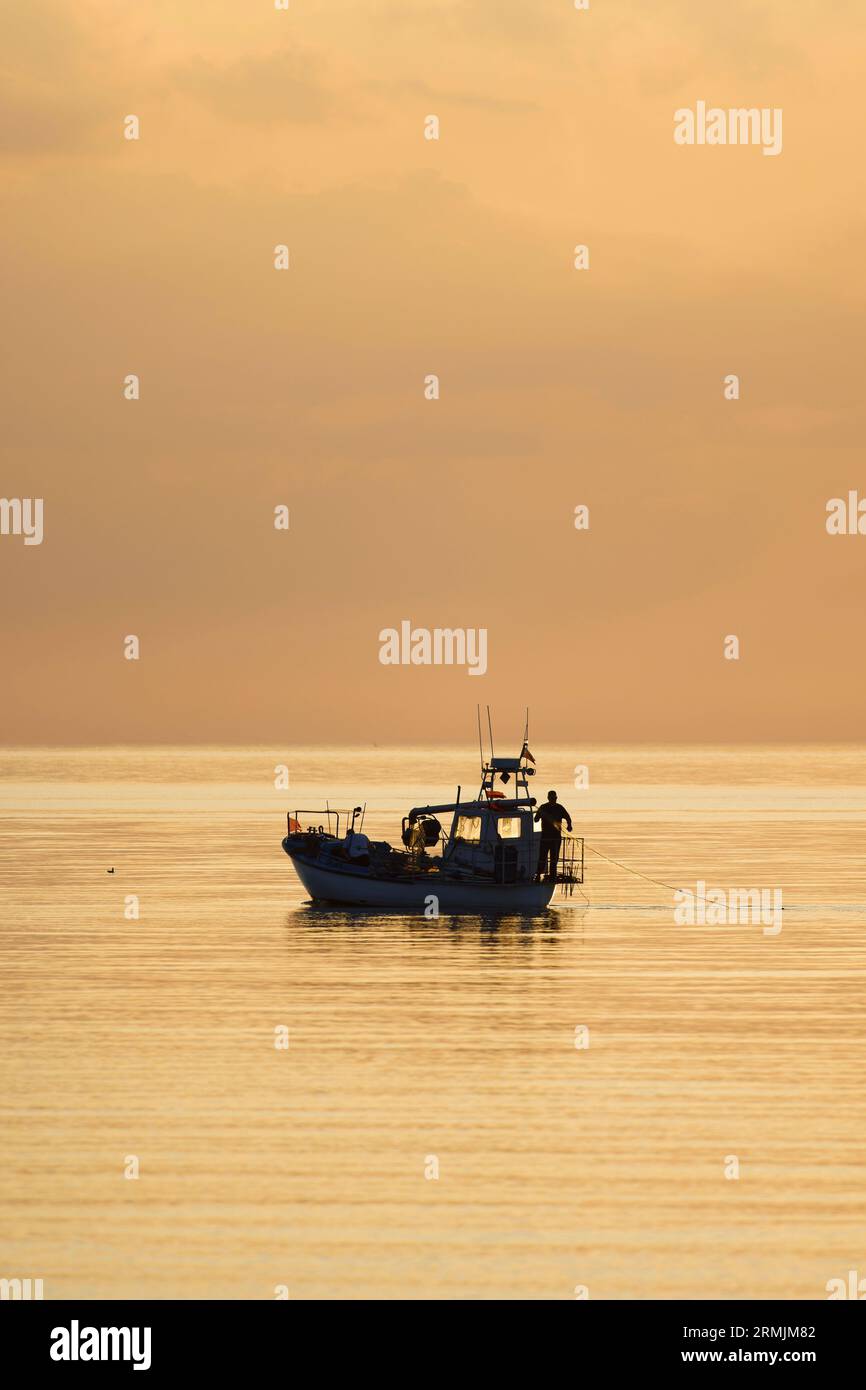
(469, 828)
(508, 827)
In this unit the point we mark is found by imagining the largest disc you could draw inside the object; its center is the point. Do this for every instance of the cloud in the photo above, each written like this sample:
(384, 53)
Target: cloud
(38, 120)
(275, 88)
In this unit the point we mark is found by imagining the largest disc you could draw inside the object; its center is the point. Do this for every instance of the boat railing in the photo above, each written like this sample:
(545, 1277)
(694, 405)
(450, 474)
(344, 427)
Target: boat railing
(569, 870)
(321, 826)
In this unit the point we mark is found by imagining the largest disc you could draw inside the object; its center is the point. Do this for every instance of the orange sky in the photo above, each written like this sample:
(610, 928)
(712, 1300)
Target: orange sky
(411, 257)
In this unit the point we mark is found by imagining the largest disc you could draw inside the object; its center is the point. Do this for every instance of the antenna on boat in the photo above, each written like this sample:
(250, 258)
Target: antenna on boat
(490, 727)
(526, 729)
(480, 744)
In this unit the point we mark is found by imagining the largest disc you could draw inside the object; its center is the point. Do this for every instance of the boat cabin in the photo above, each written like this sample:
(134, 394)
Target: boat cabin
(494, 833)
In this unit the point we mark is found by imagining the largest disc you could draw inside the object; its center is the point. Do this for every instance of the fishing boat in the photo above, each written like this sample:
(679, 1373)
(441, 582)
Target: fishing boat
(486, 862)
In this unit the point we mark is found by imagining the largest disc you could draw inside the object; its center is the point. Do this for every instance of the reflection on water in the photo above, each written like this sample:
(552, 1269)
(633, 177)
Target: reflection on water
(459, 1039)
(325, 915)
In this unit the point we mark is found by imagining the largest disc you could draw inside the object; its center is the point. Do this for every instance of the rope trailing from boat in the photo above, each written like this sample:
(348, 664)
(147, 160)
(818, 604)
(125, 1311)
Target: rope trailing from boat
(788, 907)
(657, 881)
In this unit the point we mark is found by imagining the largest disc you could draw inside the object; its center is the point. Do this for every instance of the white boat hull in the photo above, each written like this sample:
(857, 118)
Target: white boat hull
(357, 889)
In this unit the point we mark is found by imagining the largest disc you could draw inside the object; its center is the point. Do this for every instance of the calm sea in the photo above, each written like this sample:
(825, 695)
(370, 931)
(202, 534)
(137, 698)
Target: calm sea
(417, 1045)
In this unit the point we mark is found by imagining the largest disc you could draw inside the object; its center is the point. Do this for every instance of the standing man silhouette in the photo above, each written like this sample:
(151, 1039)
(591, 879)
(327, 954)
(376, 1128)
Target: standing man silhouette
(551, 815)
